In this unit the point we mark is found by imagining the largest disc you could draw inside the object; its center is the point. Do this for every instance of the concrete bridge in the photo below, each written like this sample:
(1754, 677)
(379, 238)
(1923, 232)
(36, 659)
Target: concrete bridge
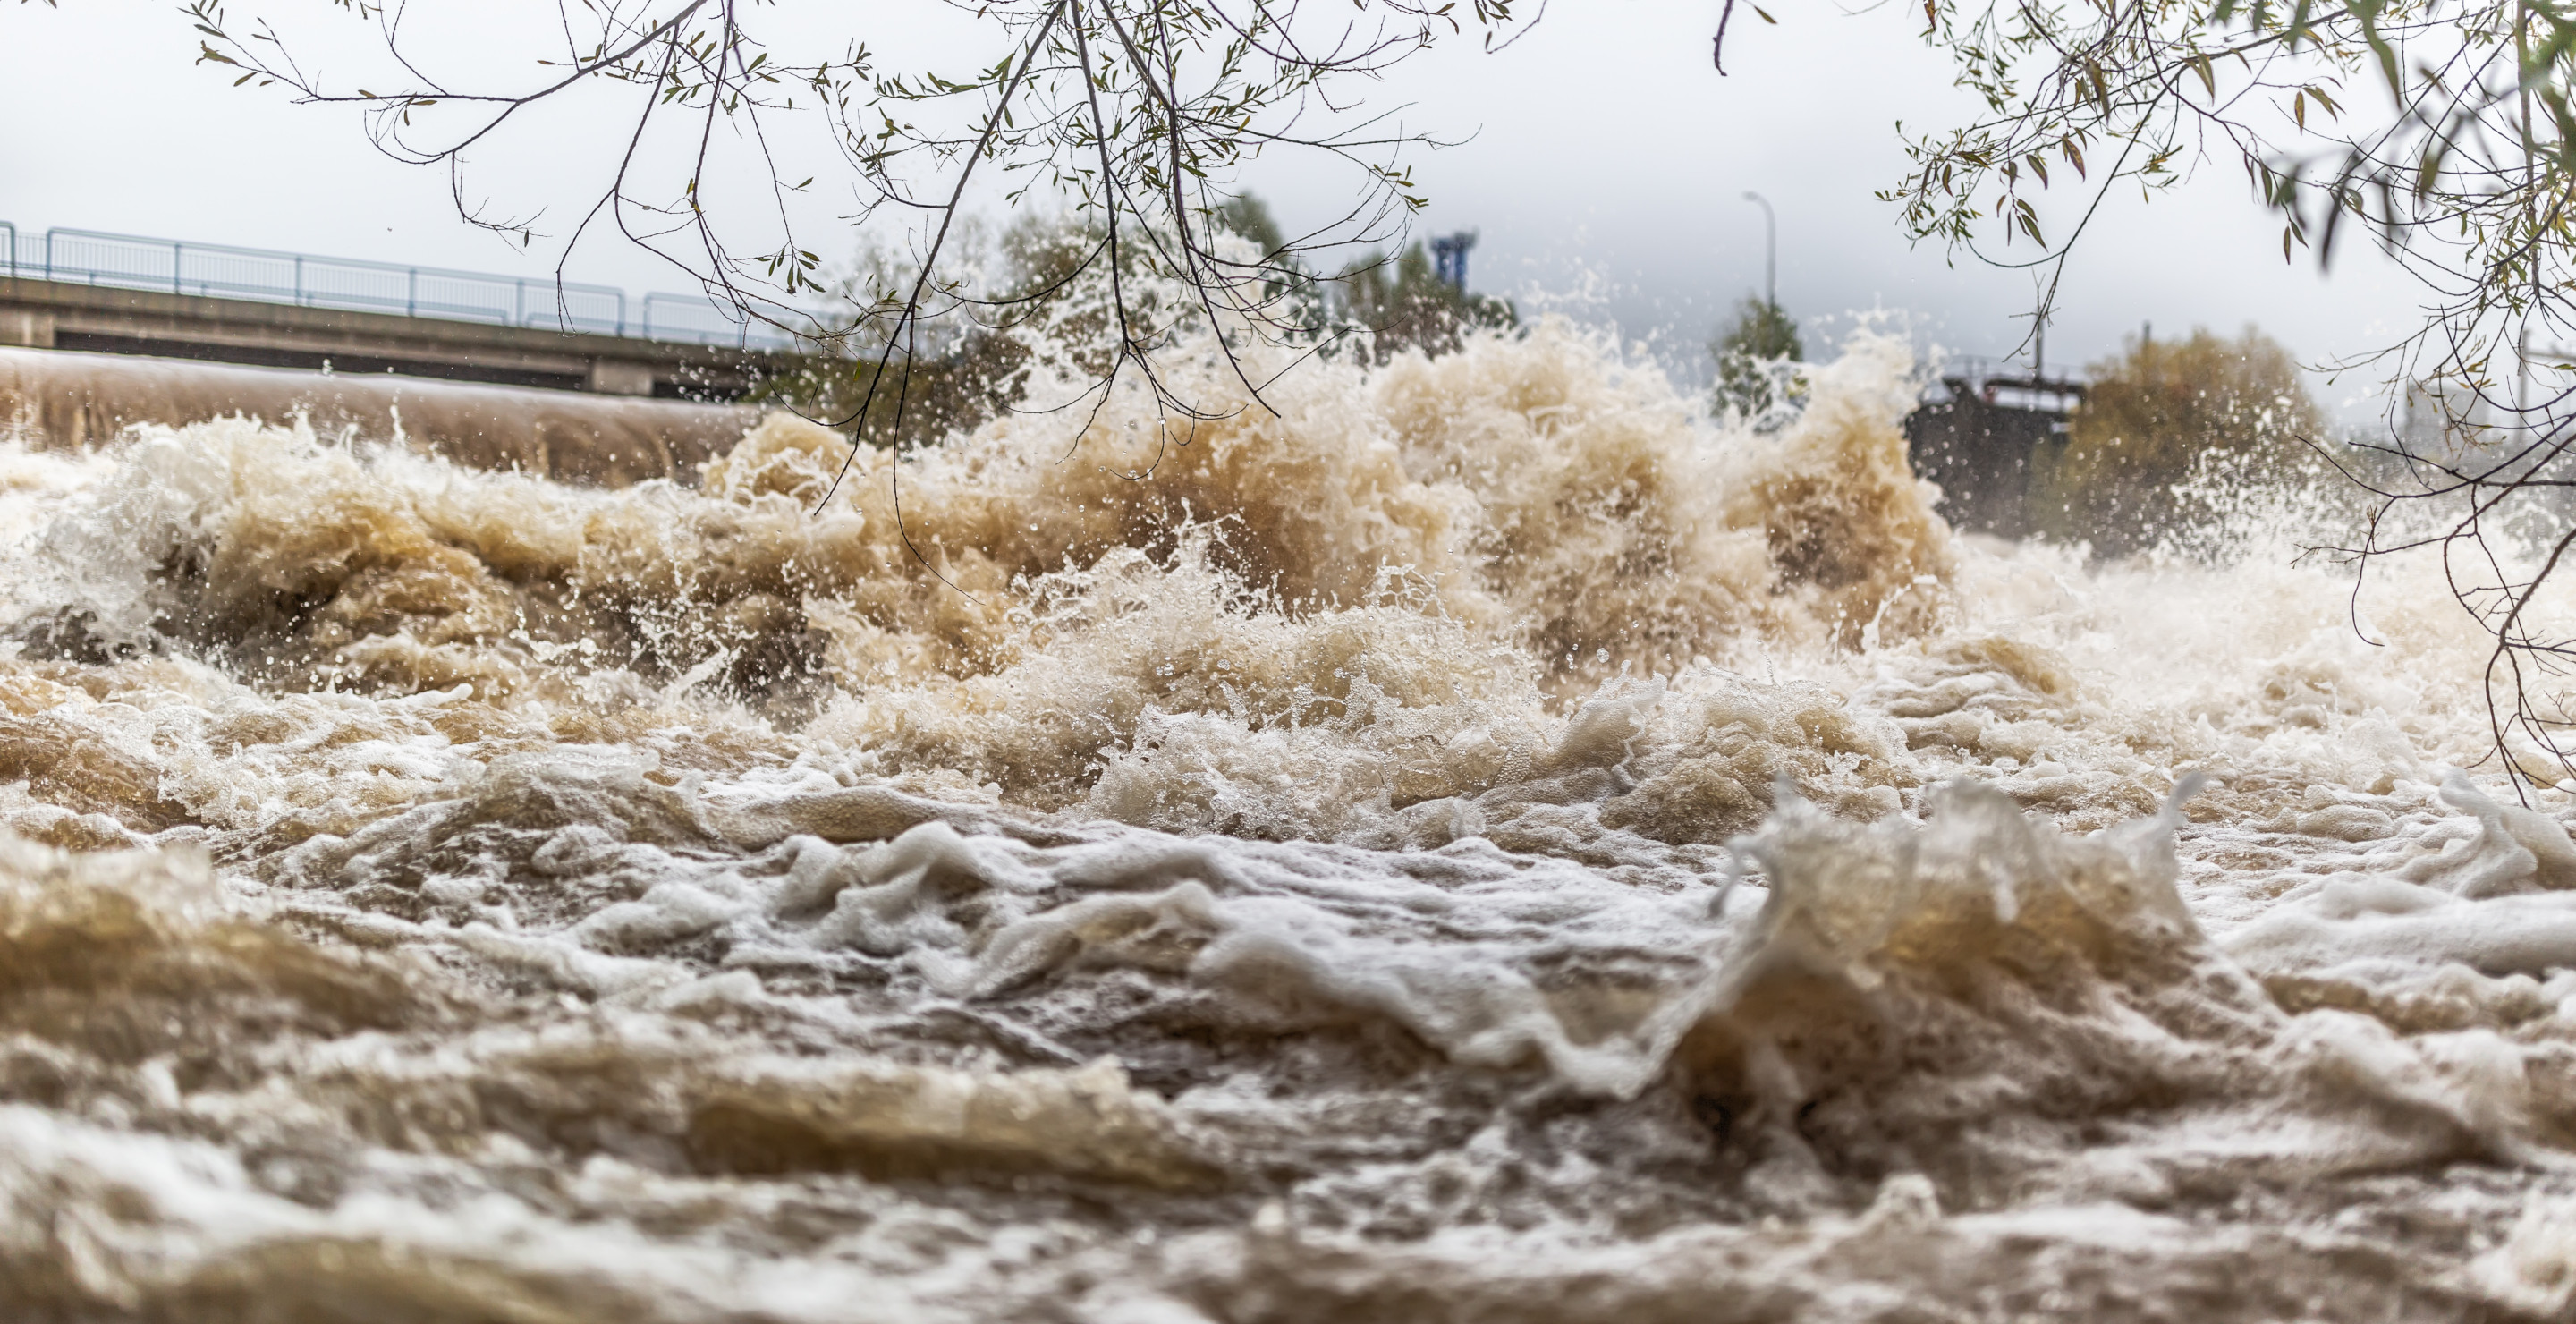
(125, 294)
(579, 383)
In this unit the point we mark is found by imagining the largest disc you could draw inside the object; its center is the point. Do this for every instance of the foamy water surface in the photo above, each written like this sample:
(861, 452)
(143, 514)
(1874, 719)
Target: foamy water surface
(1468, 842)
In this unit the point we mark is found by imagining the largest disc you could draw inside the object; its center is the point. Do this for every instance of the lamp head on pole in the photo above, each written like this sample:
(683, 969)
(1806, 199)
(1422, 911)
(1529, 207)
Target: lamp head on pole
(1770, 248)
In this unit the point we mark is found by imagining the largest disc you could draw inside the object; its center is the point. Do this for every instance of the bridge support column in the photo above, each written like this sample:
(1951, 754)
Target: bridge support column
(27, 328)
(614, 377)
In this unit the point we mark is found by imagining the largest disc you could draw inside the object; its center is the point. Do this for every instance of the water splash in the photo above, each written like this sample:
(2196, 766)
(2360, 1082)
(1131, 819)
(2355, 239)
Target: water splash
(1466, 841)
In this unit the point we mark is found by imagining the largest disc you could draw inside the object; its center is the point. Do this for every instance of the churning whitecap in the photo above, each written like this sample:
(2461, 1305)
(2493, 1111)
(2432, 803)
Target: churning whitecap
(1463, 839)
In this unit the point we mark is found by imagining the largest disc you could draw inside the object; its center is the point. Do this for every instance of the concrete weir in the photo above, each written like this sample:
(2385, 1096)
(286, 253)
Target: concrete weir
(68, 399)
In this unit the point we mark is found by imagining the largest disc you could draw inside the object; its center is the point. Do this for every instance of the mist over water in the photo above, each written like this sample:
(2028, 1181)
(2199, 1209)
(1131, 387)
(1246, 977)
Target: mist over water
(1469, 841)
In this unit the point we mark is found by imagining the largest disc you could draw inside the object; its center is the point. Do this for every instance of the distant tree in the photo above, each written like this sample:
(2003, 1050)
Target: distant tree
(2156, 412)
(965, 361)
(969, 359)
(1406, 304)
(1247, 216)
(1750, 356)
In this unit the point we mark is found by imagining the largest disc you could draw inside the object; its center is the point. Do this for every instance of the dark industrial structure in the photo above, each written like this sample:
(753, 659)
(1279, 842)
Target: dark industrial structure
(1991, 441)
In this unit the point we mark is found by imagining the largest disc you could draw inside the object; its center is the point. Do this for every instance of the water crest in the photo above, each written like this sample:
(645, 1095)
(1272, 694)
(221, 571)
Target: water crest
(1461, 839)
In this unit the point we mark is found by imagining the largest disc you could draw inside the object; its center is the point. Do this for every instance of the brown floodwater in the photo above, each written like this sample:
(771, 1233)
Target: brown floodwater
(1471, 840)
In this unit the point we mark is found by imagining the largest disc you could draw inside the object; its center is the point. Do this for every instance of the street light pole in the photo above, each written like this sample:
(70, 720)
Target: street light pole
(1770, 249)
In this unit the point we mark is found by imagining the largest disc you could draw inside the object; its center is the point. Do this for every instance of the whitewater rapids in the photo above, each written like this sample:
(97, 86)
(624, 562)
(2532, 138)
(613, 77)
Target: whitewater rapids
(1469, 841)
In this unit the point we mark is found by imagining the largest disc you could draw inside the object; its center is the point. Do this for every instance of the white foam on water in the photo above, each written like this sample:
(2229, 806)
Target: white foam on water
(1459, 839)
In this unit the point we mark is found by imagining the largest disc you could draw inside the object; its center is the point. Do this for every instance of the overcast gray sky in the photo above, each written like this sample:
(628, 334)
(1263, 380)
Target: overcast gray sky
(1605, 167)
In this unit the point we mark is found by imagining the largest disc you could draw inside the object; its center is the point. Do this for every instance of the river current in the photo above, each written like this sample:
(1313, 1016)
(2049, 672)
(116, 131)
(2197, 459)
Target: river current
(1466, 841)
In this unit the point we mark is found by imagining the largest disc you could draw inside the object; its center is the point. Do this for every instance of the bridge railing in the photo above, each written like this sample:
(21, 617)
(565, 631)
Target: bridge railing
(94, 257)
(703, 321)
(134, 262)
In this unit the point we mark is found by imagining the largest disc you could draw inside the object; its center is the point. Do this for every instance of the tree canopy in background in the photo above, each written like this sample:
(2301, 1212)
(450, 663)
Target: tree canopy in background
(1404, 304)
(2162, 412)
(970, 364)
(1753, 358)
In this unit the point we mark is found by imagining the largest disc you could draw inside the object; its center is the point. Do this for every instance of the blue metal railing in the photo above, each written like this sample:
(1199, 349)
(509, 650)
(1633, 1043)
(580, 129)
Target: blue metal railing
(135, 262)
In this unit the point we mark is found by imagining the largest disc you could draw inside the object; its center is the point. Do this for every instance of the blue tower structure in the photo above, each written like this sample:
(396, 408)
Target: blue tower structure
(1449, 256)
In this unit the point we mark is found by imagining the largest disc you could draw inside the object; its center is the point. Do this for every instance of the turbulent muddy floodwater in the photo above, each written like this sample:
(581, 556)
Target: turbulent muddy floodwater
(1293, 883)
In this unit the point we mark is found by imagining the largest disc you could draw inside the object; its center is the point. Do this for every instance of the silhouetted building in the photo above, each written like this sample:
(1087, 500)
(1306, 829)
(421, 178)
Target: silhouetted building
(1984, 438)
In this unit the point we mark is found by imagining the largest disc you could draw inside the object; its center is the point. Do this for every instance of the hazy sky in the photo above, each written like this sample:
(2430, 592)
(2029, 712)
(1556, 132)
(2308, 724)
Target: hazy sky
(1605, 168)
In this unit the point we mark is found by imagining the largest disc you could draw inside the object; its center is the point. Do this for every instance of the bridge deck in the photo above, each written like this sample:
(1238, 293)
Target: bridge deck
(50, 314)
